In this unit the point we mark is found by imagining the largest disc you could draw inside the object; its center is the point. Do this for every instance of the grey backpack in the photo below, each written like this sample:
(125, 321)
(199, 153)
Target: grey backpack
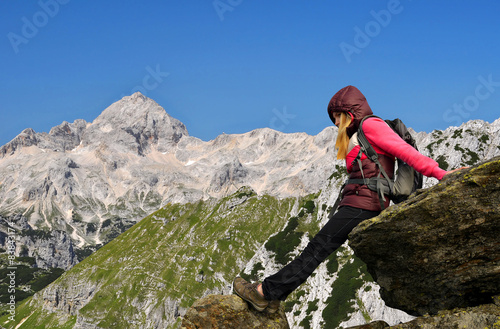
(407, 180)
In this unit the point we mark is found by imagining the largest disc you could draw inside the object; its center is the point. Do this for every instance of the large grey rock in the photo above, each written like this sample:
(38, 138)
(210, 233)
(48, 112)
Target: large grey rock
(483, 316)
(440, 249)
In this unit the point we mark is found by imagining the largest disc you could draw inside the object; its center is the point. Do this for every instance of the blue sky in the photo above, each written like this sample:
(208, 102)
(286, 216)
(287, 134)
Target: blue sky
(236, 65)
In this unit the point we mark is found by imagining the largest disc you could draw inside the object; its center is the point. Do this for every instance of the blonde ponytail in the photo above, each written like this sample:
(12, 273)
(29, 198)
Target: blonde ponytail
(342, 142)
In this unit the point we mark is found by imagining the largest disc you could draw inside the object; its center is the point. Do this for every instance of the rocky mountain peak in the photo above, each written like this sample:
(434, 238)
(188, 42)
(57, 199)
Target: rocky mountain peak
(129, 109)
(136, 122)
(26, 138)
(137, 96)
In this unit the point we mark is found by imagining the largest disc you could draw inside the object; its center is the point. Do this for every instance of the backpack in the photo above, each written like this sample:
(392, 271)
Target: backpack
(407, 180)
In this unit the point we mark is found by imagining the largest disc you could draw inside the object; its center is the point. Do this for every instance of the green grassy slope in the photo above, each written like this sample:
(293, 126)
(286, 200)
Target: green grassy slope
(147, 275)
(174, 254)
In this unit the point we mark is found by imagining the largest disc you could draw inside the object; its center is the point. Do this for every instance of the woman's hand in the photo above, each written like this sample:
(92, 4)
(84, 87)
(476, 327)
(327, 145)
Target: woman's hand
(452, 171)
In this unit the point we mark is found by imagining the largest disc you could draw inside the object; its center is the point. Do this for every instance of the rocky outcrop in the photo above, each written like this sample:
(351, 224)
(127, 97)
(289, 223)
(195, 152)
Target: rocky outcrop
(218, 311)
(484, 316)
(69, 299)
(49, 249)
(439, 250)
(26, 138)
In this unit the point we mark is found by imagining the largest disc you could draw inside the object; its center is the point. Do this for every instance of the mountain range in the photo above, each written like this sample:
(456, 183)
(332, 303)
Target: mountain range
(85, 178)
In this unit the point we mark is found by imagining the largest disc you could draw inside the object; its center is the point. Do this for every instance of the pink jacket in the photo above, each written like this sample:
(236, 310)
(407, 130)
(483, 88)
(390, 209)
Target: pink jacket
(385, 141)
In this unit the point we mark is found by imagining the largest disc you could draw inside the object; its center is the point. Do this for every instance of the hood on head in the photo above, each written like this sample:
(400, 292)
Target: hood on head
(350, 100)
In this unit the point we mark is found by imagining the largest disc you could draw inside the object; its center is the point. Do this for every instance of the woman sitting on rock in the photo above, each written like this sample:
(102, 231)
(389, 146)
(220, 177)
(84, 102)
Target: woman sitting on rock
(346, 110)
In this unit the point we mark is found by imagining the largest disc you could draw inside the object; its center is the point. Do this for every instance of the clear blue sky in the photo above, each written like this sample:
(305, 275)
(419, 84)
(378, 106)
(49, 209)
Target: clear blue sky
(236, 65)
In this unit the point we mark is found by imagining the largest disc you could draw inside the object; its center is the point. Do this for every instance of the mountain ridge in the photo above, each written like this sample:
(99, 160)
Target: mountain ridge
(91, 171)
(93, 180)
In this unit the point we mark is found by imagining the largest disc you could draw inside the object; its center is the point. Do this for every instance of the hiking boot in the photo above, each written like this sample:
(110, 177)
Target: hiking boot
(273, 306)
(248, 292)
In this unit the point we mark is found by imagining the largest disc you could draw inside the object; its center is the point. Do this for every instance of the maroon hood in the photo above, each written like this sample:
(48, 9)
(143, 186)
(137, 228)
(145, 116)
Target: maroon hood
(349, 99)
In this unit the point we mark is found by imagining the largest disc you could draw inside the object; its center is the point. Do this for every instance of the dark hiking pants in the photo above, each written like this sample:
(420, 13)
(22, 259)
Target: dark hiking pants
(328, 239)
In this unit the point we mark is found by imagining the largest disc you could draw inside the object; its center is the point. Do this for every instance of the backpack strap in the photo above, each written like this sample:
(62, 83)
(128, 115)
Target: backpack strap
(381, 183)
(337, 202)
